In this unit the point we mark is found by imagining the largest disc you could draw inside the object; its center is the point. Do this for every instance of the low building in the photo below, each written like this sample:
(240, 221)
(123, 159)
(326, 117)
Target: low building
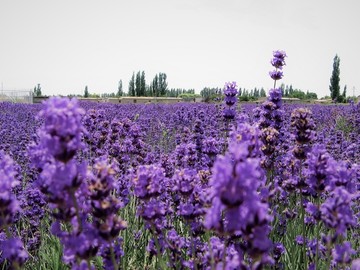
(144, 100)
(290, 100)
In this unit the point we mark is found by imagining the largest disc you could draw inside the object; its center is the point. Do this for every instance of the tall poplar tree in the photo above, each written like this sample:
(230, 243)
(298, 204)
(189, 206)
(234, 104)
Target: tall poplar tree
(132, 85)
(162, 84)
(335, 79)
(86, 92)
(142, 84)
(138, 84)
(120, 89)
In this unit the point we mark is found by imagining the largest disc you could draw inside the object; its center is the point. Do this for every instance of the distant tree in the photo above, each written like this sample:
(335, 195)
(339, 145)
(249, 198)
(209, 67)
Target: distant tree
(155, 86)
(311, 95)
(132, 85)
(138, 84)
(86, 92)
(335, 79)
(342, 98)
(120, 89)
(291, 90)
(262, 93)
(162, 84)
(286, 92)
(37, 90)
(142, 84)
(344, 92)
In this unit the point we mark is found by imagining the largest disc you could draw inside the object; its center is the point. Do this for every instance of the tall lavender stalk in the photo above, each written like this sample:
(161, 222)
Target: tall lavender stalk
(230, 100)
(271, 116)
(62, 179)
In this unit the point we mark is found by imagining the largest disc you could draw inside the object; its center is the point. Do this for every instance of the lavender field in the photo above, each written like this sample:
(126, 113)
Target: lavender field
(184, 186)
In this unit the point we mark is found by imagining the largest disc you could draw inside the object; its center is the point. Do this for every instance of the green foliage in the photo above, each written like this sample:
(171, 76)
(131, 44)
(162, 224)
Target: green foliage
(158, 86)
(290, 92)
(86, 92)
(142, 84)
(343, 125)
(132, 85)
(162, 84)
(176, 92)
(120, 89)
(37, 91)
(262, 92)
(211, 93)
(138, 84)
(335, 79)
(189, 96)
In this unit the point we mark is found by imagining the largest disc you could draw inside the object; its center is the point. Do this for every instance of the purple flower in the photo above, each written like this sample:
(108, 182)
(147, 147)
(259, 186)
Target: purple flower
(276, 75)
(229, 113)
(275, 96)
(318, 176)
(61, 133)
(230, 92)
(230, 89)
(149, 181)
(13, 250)
(342, 253)
(278, 60)
(355, 264)
(299, 240)
(278, 250)
(304, 130)
(184, 181)
(237, 206)
(336, 211)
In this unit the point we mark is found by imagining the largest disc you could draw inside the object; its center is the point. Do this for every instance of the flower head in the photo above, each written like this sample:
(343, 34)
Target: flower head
(278, 60)
(61, 133)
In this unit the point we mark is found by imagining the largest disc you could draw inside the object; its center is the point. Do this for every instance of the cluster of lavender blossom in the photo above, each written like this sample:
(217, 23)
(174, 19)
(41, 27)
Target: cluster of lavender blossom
(160, 186)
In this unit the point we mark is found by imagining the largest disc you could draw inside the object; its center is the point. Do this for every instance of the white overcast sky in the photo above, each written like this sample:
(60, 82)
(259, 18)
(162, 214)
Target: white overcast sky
(67, 44)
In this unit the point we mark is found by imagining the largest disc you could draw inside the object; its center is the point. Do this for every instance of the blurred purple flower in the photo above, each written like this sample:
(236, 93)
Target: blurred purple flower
(342, 253)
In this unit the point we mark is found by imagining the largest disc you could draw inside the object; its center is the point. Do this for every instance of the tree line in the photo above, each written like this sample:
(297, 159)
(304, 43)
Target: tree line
(158, 87)
(256, 93)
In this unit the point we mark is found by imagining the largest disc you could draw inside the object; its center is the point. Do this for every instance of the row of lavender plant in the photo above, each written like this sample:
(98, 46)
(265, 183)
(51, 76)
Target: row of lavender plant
(185, 186)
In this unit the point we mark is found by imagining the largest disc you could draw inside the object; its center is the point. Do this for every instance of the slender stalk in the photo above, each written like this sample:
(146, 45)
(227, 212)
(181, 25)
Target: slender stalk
(113, 259)
(275, 80)
(76, 205)
(302, 217)
(157, 244)
(193, 251)
(317, 236)
(224, 254)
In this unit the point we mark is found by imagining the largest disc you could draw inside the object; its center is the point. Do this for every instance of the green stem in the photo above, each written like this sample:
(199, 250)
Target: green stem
(224, 254)
(303, 229)
(77, 209)
(157, 244)
(88, 263)
(15, 265)
(302, 217)
(193, 251)
(317, 236)
(113, 260)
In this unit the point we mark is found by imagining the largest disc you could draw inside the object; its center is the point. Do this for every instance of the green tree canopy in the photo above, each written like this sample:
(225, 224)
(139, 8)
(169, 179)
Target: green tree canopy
(335, 79)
